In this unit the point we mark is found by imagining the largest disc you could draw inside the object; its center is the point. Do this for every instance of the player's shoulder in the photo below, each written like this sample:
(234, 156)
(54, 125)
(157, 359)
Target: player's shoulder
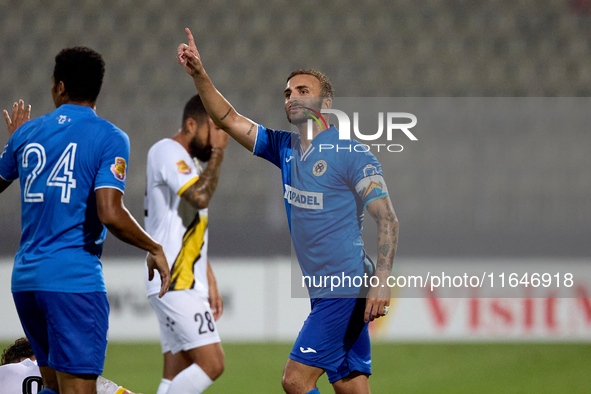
(166, 146)
(352, 155)
(107, 129)
(31, 126)
(283, 134)
(275, 139)
(348, 149)
(25, 366)
(12, 375)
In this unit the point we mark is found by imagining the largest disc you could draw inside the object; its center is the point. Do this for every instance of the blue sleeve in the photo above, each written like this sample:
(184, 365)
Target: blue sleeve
(8, 166)
(364, 173)
(113, 161)
(269, 144)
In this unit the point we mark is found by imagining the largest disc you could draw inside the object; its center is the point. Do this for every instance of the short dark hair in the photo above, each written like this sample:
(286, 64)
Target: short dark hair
(195, 109)
(326, 89)
(21, 348)
(81, 70)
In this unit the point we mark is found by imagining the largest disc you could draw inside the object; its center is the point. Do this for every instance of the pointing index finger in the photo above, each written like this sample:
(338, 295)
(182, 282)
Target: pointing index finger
(190, 37)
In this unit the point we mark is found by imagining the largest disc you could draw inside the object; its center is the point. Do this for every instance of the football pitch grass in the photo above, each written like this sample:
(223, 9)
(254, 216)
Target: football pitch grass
(398, 368)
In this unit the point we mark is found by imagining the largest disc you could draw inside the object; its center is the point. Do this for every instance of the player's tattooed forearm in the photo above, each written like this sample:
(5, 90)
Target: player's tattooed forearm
(394, 237)
(200, 193)
(250, 130)
(387, 239)
(227, 113)
(387, 234)
(384, 265)
(389, 214)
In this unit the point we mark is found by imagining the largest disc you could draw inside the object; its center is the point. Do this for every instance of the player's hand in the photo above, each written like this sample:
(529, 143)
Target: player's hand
(157, 261)
(218, 138)
(20, 115)
(188, 56)
(377, 299)
(215, 302)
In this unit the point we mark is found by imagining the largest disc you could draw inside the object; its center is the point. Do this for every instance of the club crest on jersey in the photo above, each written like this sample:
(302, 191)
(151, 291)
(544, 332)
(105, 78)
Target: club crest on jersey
(370, 170)
(319, 168)
(119, 169)
(182, 167)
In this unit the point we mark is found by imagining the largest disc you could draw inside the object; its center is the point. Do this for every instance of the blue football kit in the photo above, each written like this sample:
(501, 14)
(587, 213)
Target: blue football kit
(326, 189)
(61, 159)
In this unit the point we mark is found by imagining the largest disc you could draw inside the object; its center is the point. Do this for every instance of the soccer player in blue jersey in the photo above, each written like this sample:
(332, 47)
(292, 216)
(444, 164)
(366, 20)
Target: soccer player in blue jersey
(326, 193)
(72, 167)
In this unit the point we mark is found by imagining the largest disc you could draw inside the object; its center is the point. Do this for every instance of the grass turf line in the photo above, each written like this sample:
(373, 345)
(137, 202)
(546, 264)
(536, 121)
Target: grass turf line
(398, 368)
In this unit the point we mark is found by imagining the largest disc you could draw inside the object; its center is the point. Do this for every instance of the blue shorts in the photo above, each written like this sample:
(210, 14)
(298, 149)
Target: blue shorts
(68, 331)
(335, 338)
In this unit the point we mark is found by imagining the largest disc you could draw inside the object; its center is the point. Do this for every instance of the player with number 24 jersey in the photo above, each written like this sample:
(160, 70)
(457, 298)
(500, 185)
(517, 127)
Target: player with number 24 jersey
(61, 159)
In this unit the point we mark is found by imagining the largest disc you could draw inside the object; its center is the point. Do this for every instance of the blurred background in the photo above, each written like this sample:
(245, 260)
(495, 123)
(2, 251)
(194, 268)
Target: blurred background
(537, 199)
(470, 195)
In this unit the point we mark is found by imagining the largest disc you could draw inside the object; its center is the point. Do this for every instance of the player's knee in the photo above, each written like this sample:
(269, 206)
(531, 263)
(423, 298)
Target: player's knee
(218, 369)
(215, 367)
(287, 384)
(292, 384)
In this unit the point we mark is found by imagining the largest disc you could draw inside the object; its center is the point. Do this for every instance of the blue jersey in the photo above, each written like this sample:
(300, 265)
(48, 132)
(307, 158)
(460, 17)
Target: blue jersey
(325, 190)
(61, 159)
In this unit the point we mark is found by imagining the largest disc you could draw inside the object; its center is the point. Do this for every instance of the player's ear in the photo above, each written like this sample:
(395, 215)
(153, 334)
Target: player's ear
(326, 103)
(61, 88)
(190, 126)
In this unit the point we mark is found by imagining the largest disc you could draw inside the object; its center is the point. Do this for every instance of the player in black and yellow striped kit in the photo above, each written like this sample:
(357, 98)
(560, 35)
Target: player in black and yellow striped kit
(178, 192)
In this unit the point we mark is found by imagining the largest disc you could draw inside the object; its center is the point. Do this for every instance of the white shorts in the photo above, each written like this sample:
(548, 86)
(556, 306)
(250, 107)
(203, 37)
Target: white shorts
(186, 321)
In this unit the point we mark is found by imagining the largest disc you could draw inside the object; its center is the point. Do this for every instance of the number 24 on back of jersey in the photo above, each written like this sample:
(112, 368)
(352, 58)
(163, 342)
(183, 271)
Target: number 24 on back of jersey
(62, 174)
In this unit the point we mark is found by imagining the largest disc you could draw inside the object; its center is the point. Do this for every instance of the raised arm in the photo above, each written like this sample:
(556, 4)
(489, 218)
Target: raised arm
(113, 214)
(242, 129)
(379, 297)
(199, 194)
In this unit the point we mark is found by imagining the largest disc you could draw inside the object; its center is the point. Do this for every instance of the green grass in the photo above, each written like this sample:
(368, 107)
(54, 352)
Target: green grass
(398, 368)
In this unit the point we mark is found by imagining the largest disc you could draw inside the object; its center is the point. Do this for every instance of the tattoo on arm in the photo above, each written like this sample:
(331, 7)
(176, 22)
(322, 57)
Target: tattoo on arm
(249, 130)
(199, 194)
(383, 265)
(227, 113)
(387, 237)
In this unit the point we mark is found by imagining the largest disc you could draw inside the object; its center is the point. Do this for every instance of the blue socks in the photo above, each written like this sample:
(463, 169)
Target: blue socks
(315, 391)
(47, 391)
